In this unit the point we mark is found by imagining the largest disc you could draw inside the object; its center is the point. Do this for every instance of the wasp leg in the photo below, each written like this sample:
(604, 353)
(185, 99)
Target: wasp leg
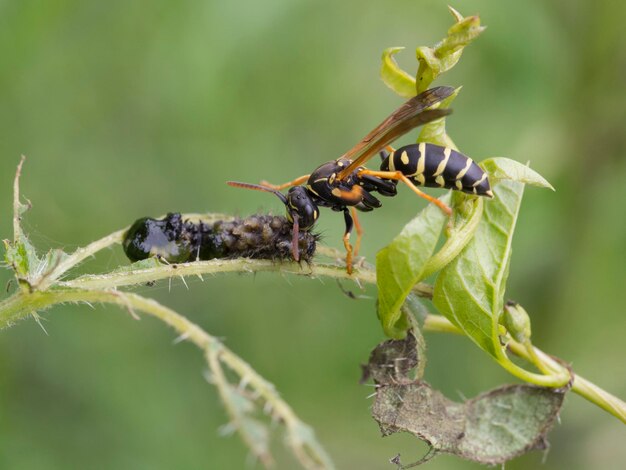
(346, 239)
(359, 231)
(297, 182)
(384, 187)
(398, 175)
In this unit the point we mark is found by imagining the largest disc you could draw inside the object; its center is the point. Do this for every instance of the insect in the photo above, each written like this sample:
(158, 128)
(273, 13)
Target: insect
(344, 184)
(175, 240)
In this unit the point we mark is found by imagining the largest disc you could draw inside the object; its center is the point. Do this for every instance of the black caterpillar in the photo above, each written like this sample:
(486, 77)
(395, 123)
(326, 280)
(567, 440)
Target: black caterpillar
(178, 241)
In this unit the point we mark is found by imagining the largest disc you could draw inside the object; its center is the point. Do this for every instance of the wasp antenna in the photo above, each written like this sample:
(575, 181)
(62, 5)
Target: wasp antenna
(258, 187)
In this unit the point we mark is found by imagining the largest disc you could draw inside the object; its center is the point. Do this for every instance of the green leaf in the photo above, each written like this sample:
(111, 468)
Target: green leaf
(500, 168)
(455, 14)
(469, 291)
(394, 77)
(21, 256)
(433, 61)
(399, 266)
(28, 267)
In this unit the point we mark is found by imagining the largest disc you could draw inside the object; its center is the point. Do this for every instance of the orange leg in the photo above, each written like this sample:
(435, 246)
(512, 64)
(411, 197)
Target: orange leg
(346, 239)
(297, 182)
(397, 175)
(348, 247)
(359, 231)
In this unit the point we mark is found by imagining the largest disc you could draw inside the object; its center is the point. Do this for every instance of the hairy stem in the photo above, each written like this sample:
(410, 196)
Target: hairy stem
(16, 200)
(300, 436)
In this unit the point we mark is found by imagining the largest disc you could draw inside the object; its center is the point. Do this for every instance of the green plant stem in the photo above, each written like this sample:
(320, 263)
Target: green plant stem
(79, 256)
(216, 266)
(457, 240)
(17, 233)
(580, 385)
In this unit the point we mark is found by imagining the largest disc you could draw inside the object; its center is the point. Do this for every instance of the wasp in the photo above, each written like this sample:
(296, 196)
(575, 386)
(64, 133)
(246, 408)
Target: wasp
(345, 185)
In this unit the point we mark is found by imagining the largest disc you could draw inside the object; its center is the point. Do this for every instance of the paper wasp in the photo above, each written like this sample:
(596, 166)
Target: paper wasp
(344, 183)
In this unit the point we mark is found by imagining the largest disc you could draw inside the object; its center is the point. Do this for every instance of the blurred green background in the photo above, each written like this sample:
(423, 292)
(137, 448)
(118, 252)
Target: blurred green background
(134, 108)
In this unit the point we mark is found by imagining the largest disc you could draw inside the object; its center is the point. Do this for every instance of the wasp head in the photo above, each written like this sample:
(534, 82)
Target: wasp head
(300, 205)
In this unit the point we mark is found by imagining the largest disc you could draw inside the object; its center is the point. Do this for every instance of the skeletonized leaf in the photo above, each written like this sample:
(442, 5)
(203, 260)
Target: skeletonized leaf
(492, 428)
(393, 360)
(509, 421)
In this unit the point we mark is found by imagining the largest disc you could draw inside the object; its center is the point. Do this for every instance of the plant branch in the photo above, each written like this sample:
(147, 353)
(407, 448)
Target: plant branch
(580, 385)
(300, 436)
(16, 200)
(216, 266)
(142, 275)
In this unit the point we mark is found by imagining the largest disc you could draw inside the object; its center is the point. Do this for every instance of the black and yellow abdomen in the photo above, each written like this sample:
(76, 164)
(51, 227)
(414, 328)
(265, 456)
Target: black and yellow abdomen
(434, 166)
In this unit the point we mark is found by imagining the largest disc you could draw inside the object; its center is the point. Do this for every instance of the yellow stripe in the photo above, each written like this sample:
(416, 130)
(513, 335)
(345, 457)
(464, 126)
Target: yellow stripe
(420, 178)
(404, 158)
(308, 186)
(421, 162)
(442, 166)
(392, 165)
(440, 181)
(483, 178)
(458, 184)
(464, 170)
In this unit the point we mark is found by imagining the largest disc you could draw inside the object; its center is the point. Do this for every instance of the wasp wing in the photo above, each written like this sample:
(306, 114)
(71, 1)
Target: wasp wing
(410, 115)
